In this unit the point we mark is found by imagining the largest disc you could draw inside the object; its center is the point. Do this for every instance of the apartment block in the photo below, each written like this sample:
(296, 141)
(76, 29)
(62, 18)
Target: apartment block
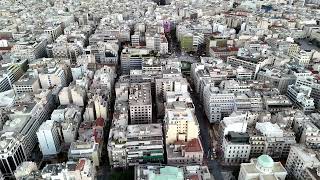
(140, 103)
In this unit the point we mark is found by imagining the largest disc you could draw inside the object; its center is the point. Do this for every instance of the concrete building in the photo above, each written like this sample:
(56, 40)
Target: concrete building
(277, 103)
(280, 78)
(164, 45)
(302, 58)
(278, 141)
(262, 168)
(104, 79)
(236, 148)
(299, 159)
(144, 144)
(68, 46)
(104, 53)
(171, 84)
(243, 74)
(151, 40)
(132, 58)
(4, 82)
(235, 123)
(258, 143)
(19, 131)
(217, 104)
(29, 82)
(78, 95)
(223, 52)
(208, 74)
(307, 79)
(73, 94)
(12, 155)
(65, 96)
(53, 31)
(131, 145)
(140, 103)
(251, 65)
(29, 49)
(69, 119)
(313, 173)
(310, 135)
(25, 169)
(149, 66)
(81, 149)
(117, 137)
(83, 169)
(300, 96)
(51, 77)
(49, 138)
(180, 125)
(135, 39)
(11, 74)
(101, 106)
(180, 152)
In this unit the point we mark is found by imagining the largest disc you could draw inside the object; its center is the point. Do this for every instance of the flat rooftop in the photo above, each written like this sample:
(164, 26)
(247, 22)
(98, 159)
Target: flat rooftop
(144, 130)
(140, 94)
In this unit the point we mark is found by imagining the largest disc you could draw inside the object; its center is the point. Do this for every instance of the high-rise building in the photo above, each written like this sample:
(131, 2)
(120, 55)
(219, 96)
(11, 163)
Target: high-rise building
(180, 124)
(54, 76)
(236, 148)
(217, 104)
(11, 74)
(299, 159)
(140, 103)
(27, 83)
(277, 141)
(12, 153)
(132, 58)
(300, 95)
(144, 144)
(49, 138)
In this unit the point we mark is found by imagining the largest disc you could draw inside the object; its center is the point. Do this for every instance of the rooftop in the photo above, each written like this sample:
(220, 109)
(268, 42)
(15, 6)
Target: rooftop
(180, 114)
(154, 172)
(265, 161)
(140, 94)
(144, 130)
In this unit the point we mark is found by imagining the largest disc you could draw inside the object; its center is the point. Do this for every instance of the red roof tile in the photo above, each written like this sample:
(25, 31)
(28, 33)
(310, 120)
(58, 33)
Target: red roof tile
(179, 142)
(193, 146)
(5, 48)
(100, 122)
(193, 177)
(80, 164)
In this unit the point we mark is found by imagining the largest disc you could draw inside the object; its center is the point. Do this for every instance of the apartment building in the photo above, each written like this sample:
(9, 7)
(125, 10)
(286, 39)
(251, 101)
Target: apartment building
(144, 144)
(217, 104)
(49, 138)
(180, 124)
(140, 103)
(299, 159)
(236, 148)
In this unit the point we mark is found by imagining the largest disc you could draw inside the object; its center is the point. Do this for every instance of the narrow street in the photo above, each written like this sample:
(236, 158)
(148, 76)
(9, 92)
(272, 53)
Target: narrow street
(205, 137)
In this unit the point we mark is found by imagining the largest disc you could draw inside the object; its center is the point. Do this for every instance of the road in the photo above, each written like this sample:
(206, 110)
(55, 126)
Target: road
(204, 125)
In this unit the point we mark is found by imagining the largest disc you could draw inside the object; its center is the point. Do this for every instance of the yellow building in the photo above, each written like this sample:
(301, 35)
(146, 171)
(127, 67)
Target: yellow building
(180, 124)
